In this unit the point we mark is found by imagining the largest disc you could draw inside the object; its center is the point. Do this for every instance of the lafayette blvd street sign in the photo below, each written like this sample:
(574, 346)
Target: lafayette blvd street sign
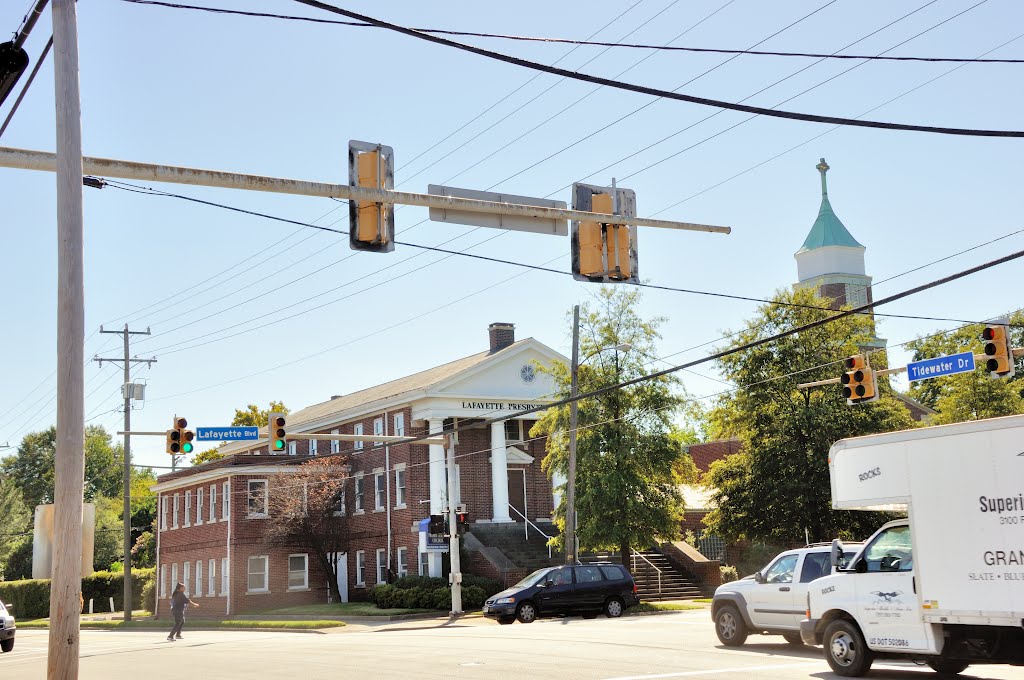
(223, 434)
(940, 366)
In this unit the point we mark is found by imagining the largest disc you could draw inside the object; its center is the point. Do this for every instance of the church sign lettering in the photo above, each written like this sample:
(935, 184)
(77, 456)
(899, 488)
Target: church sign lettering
(497, 405)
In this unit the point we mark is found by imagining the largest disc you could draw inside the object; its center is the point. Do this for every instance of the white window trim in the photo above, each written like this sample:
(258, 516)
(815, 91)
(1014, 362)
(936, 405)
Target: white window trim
(266, 574)
(401, 492)
(378, 429)
(360, 498)
(381, 562)
(174, 577)
(423, 567)
(163, 581)
(357, 429)
(199, 506)
(199, 578)
(378, 475)
(335, 443)
(163, 513)
(211, 578)
(293, 448)
(340, 509)
(188, 508)
(175, 512)
(399, 424)
(360, 577)
(186, 576)
(225, 502)
(312, 447)
(225, 577)
(213, 503)
(401, 553)
(305, 573)
(266, 499)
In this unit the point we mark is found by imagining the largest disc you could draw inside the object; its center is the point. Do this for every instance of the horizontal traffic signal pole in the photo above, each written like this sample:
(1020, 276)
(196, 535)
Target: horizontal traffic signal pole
(387, 439)
(26, 159)
(1017, 352)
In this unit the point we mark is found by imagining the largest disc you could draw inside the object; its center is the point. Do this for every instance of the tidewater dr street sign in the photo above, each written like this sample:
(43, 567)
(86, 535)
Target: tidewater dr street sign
(940, 366)
(223, 434)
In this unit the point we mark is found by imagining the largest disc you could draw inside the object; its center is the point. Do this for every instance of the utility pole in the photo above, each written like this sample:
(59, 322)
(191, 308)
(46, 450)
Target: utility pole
(453, 532)
(127, 390)
(69, 460)
(570, 484)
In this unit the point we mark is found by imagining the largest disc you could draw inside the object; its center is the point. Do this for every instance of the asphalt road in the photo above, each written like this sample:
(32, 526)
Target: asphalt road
(676, 645)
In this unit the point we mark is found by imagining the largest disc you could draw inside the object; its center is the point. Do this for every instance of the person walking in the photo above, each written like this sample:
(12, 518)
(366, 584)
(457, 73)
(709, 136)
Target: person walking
(179, 602)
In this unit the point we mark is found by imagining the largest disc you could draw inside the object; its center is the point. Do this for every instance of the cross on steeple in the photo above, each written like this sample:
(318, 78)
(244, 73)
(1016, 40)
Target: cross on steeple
(822, 167)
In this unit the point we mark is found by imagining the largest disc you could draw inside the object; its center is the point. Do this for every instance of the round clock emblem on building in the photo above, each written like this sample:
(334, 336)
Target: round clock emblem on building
(527, 373)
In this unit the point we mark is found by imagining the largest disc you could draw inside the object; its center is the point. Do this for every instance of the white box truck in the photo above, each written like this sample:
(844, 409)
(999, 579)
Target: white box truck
(945, 585)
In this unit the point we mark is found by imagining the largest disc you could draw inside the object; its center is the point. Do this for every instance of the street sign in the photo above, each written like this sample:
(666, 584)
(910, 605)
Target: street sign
(537, 225)
(940, 366)
(224, 434)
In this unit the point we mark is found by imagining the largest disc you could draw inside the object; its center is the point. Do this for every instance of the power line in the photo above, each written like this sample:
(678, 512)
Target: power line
(588, 41)
(632, 87)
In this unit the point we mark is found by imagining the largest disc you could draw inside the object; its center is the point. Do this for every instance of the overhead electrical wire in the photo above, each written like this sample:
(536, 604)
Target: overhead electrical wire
(572, 41)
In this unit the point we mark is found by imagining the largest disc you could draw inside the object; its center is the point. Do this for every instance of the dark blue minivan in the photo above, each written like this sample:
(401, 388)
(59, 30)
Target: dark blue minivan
(586, 589)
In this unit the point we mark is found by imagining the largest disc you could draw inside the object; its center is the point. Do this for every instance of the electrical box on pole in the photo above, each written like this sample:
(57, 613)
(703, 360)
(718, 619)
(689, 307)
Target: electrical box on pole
(603, 252)
(371, 223)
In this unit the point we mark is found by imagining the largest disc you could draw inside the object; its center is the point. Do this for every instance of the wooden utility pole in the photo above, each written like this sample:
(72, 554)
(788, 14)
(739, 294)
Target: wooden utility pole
(66, 584)
(126, 390)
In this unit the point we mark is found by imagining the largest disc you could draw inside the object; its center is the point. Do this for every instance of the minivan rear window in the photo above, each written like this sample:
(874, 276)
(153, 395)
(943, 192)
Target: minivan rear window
(613, 572)
(588, 575)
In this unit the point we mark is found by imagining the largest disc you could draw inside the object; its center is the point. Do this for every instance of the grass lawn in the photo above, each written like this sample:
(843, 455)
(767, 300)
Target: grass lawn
(663, 607)
(703, 600)
(191, 623)
(349, 609)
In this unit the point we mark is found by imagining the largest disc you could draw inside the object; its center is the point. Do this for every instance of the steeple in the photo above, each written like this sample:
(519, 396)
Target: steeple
(828, 229)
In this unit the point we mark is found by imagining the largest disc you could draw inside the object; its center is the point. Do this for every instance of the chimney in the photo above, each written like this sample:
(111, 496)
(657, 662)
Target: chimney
(501, 335)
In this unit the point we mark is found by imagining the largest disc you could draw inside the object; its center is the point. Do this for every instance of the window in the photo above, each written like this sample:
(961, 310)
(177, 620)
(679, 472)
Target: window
(335, 444)
(588, 574)
(298, 572)
(424, 565)
(174, 577)
(257, 498)
(890, 551)
(175, 513)
(211, 578)
(403, 562)
(400, 486)
(312, 447)
(163, 580)
(379, 492)
(186, 576)
(378, 429)
(292, 448)
(225, 500)
(816, 565)
(613, 572)
(382, 566)
(199, 505)
(513, 431)
(199, 578)
(163, 513)
(339, 502)
(399, 424)
(359, 492)
(188, 508)
(224, 576)
(782, 570)
(360, 568)
(258, 573)
(357, 429)
(213, 502)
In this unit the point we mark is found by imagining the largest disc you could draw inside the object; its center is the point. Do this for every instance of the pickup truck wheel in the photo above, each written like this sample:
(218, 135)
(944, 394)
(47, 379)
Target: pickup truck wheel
(947, 666)
(526, 613)
(845, 649)
(793, 638)
(7, 645)
(729, 626)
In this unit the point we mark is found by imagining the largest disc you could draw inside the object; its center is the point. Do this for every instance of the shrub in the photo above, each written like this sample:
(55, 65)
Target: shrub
(430, 582)
(31, 597)
(488, 585)
(729, 574)
(473, 597)
(148, 595)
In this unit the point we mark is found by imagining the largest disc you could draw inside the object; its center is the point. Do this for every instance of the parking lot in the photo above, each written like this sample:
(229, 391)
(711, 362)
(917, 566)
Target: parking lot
(673, 645)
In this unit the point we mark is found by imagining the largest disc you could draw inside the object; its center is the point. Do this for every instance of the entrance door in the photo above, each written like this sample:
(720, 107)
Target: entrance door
(517, 493)
(341, 565)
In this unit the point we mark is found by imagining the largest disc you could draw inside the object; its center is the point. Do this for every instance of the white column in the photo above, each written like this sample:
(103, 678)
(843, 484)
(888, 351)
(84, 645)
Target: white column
(499, 474)
(438, 488)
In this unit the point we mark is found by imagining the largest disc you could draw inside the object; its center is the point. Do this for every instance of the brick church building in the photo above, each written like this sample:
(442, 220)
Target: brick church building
(212, 517)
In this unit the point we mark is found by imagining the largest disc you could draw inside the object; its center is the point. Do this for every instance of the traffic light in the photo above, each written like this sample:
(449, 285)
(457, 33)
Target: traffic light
(604, 252)
(999, 351)
(858, 380)
(13, 63)
(461, 522)
(436, 525)
(371, 223)
(179, 438)
(277, 431)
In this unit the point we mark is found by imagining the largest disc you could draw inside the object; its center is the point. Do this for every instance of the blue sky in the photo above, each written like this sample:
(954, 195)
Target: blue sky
(283, 99)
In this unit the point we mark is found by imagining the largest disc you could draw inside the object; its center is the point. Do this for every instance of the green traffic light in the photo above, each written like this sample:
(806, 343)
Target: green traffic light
(186, 447)
(279, 444)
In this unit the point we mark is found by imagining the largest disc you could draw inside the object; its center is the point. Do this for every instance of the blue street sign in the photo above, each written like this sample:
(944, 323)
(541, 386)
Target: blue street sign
(940, 366)
(224, 434)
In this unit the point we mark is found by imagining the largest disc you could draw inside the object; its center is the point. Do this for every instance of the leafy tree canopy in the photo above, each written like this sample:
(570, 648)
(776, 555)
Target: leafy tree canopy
(253, 416)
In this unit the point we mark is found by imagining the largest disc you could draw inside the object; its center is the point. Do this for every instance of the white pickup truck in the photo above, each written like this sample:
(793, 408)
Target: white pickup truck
(944, 586)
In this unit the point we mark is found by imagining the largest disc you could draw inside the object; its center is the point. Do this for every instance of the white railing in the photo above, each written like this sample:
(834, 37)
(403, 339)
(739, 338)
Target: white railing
(651, 564)
(528, 524)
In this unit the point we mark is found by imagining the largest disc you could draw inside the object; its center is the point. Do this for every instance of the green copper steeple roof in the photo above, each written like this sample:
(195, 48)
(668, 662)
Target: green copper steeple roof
(827, 230)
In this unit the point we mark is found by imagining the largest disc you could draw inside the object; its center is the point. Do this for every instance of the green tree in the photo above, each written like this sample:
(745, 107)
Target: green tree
(630, 462)
(16, 528)
(207, 456)
(778, 486)
(108, 542)
(968, 396)
(253, 416)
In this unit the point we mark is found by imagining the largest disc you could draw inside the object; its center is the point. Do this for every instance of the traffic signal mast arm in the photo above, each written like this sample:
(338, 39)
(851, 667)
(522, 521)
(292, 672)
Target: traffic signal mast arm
(1017, 352)
(41, 160)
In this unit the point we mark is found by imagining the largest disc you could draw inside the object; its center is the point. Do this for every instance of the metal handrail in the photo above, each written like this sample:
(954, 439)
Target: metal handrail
(641, 556)
(526, 528)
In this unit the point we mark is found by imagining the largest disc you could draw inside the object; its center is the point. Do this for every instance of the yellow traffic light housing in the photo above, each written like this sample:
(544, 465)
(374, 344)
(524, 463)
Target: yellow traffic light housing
(277, 432)
(371, 223)
(858, 380)
(998, 351)
(604, 252)
(173, 442)
(179, 438)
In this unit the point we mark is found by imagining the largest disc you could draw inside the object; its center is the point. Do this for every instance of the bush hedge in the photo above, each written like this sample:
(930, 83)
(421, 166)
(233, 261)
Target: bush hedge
(425, 592)
(729, 574)
(31, 597)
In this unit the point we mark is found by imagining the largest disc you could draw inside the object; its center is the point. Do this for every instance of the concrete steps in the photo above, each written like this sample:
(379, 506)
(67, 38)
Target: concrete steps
(669, 584)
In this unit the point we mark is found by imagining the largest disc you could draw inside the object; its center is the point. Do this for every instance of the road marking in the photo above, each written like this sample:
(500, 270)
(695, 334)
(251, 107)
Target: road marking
(718, 671)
